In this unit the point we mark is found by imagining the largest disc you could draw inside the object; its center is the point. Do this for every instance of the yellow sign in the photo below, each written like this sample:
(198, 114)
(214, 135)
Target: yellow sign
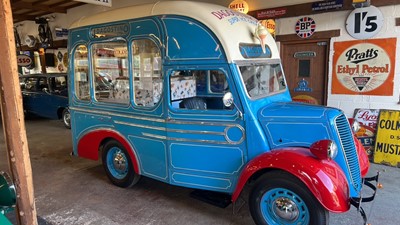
(239, 5)
(387, 143)
(270, 25)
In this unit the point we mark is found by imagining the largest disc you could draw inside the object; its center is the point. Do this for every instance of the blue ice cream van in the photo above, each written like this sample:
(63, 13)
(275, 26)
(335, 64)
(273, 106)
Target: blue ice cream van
(193, 94)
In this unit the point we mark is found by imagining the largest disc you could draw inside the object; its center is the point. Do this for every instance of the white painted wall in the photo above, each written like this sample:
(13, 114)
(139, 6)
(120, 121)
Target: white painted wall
(324, 21)
(337, 20)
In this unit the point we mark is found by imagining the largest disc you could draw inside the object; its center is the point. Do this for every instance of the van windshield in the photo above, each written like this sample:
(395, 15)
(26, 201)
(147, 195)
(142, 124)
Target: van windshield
(262, 79)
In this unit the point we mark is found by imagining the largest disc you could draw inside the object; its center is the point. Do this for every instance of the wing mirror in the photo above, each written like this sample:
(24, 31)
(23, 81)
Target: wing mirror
(228, 102)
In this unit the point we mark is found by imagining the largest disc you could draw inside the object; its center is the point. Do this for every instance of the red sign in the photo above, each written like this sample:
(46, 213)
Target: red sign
(364, 67)
(271, 13)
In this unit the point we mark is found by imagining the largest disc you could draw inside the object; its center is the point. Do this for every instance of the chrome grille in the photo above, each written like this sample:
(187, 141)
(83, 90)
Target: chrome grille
(349, 149)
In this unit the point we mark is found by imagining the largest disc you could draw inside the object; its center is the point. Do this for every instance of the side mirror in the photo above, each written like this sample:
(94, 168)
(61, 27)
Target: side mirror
(228, 99)
(46, 90)
(228, 102)
(7, 192)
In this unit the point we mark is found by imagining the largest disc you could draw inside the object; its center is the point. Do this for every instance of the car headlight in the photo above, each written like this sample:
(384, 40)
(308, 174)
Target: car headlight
(324, 149)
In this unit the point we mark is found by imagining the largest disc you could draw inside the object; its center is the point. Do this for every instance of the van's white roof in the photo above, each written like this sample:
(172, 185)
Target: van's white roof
(229, 34)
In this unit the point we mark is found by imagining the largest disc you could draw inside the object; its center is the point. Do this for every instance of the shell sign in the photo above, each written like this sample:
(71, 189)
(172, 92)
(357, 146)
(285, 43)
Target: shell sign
(240, 6)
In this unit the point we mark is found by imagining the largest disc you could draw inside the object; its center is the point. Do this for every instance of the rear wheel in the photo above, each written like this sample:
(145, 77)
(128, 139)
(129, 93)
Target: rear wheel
(280, 198)
(118, 165)
(66, 118)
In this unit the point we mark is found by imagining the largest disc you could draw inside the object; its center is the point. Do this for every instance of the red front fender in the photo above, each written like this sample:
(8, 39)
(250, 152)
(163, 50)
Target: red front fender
(323, 178)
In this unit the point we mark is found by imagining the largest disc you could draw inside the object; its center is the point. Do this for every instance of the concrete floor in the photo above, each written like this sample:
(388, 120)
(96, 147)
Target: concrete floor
(70, 190)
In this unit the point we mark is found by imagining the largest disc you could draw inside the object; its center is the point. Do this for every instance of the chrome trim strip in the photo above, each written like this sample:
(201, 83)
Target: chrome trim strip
(186, 122)
(195, 132)
(155, 136)
(118, 114)
(141, 126)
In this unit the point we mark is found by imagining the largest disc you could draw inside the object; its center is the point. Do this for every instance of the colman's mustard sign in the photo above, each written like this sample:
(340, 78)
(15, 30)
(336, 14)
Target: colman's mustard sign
(387, 143)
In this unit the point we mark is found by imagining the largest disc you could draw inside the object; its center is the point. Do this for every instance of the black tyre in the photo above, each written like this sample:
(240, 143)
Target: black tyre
(281, 198)
(66, 118)
(118, 165)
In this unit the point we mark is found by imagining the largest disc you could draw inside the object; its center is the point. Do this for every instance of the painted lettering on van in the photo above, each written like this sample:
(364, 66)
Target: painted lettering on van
(233, 16)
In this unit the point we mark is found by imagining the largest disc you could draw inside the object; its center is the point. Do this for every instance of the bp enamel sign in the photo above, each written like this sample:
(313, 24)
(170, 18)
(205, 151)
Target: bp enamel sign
(305, 27)
(364, 23)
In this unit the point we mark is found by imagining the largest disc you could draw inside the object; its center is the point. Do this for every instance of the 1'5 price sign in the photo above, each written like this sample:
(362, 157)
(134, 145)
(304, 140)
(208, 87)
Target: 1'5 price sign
(364, 23)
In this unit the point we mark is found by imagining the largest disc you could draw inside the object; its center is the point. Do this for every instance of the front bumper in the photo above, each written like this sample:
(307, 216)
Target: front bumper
(356, 202)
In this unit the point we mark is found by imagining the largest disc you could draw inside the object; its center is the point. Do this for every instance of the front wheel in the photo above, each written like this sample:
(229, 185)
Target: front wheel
(118, 165)
(281, 198)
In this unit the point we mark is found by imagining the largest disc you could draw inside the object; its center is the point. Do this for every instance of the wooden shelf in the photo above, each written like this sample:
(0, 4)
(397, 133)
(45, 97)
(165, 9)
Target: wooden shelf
(56, 44)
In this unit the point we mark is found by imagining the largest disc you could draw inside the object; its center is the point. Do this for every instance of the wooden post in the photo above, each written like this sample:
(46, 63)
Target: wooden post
(13, 120)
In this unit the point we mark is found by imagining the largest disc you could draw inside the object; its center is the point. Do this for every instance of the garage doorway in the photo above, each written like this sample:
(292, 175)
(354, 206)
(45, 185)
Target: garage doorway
(305, 66)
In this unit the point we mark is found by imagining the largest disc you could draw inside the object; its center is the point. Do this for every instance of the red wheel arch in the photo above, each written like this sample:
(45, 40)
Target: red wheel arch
(324, 178)
(88, 145)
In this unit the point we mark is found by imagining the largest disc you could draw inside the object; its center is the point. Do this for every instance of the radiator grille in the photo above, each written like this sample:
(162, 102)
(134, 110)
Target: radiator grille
(349, 150)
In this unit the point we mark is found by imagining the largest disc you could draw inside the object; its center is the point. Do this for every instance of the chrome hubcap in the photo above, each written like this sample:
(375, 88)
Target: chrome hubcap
(119, 162)
(285, 209)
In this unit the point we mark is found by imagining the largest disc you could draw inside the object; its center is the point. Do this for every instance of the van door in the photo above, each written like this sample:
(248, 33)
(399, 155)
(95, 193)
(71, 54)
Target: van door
(205, 139)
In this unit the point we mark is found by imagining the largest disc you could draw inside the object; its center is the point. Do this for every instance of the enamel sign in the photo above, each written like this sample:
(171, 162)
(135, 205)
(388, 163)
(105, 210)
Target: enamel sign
(305, 27)
(387, 147)
(364, 67)
(364, 23)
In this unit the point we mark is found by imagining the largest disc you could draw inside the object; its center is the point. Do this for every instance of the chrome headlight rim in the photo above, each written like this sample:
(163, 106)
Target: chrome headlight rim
(332, 150)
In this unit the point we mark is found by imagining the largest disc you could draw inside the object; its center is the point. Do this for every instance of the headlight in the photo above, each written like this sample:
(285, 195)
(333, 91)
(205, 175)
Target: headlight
(324, 149)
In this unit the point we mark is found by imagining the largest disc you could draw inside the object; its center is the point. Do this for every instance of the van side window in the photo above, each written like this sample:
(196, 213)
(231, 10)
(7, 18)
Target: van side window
(147, 74)
(81, 68)
(110, 72)
(198, 89)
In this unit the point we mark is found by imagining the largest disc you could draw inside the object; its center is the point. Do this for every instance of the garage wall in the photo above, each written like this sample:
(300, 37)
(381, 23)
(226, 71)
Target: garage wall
(337, 20)
(324, 21)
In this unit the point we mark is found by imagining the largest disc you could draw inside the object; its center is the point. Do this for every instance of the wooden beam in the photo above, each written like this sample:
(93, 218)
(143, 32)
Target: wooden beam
(38, 7)
(13, 120)
(317, 35)
(306, 8)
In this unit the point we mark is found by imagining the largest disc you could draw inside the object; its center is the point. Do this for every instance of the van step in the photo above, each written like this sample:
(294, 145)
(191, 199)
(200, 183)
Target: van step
(218, 199)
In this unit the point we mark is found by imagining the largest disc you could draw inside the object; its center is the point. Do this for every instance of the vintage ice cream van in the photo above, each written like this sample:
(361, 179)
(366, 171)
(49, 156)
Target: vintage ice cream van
(193, 94)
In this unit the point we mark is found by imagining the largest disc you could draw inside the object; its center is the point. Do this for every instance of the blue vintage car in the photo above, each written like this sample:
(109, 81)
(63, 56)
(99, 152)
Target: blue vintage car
(46, 95)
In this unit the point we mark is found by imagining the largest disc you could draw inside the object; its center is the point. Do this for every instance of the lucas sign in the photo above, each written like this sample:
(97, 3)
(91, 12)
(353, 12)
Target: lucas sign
(364, 23)
(97, 2)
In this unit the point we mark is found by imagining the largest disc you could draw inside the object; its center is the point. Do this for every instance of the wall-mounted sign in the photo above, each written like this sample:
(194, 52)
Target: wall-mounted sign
(270, 25)
(305, 27)
(305, 54)
(364, 67)
(302, 86)
(240, 6)
(271, 13)
(97, 2)
(387, 144)
(24, 60)
(364, 23)
(327, 5)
